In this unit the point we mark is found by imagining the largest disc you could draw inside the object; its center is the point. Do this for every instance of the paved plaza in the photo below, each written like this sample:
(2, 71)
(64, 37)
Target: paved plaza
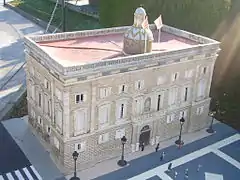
(217, 156)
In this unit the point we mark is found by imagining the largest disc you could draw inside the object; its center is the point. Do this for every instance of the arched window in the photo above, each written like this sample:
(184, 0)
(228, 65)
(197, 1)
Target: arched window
(147, 104)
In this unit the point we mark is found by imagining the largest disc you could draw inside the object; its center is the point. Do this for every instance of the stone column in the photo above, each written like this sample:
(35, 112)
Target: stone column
(66, 115)
(157, 139)
(134, 138)
(93, 109)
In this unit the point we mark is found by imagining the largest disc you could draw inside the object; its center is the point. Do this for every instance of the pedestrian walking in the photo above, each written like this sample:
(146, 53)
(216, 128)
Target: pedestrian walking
(198, 168)
(175, 174)
(162, 156)
(186, 173)
(169, 167)
(143, 146)
(157, 147)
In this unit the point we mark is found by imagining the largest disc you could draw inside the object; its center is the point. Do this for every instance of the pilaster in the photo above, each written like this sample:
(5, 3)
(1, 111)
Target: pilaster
(93, 110)
(66, 115)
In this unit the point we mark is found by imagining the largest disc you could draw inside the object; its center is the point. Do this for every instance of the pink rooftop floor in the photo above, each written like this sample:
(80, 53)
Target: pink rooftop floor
(96, 48)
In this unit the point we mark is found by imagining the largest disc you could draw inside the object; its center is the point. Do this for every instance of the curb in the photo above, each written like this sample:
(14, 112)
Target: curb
(14, 100)
(35, 20)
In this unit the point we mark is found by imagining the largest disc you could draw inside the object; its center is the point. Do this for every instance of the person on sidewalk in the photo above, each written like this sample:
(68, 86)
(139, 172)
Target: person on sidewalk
(162, 156)
(169, 167)
(143, 146)
(157, 147)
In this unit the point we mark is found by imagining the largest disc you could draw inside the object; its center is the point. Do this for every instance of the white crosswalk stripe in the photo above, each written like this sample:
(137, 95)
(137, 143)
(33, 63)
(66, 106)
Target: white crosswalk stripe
(18, 174)
(36, 173)
(22, 174)
(10, 177)
(27, 173)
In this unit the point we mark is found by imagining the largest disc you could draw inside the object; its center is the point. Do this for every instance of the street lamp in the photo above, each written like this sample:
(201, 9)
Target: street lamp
(179, 141)
(211, 114)
(75, 156)
(122, 162)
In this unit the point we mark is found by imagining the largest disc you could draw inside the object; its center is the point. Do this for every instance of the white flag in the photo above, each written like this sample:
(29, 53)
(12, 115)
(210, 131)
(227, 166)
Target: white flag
(158, 22)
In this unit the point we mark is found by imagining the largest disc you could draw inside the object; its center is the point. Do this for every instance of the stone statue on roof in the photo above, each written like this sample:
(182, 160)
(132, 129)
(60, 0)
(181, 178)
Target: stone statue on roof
(138, 38)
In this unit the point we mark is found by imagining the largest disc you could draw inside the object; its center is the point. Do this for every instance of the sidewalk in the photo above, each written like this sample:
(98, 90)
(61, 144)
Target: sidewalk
(32, 148)
(109, 166)
(12, 76)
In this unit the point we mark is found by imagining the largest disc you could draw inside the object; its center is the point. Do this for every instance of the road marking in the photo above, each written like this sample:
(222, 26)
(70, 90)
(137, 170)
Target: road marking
(36, 173)
(159, 171)
(227, 158)
(1, 177)
(28, 174)
(213, 176)
(18, 174)
(10, 177)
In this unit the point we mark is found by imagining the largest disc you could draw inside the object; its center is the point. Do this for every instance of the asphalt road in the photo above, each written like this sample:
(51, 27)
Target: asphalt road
(11, 156)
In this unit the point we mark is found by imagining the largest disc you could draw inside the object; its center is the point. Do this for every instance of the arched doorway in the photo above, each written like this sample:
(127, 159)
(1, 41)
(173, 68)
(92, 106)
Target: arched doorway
(145, 135)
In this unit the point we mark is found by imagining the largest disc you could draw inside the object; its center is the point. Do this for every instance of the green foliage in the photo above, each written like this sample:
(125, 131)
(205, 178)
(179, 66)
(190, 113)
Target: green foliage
(199, 16)
(42, 9)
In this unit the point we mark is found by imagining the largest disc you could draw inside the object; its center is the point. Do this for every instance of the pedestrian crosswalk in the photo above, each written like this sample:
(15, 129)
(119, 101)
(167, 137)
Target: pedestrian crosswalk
(26, 173)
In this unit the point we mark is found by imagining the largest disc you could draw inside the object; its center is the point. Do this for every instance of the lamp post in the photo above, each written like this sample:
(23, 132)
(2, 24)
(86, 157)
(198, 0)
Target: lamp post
(75, 156)
(179, 141)
(122, 162)
(63, 16)
(211, 114)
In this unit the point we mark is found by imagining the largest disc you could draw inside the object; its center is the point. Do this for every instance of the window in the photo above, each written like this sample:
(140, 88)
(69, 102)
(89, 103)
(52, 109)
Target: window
(170, 118)
(183, 114)
(105, 92)
(188, 73)
(48, 130)
(32, 70)
(103, 114)
(39, 99)
(204, 70)
(201, 88)
(56, 143)
(33, 92)
(59, 118)
(147, 104)
(139, 84)
(49, 108)
(80, 98)
(58, 94)
(161, 80)
(103, 138)
(158, 102)
(138, 106)
(80, 147)
(121, 111)
(185, 93)
(122, 88)
(200, 110)
(80, 121)
(39, 120)
(172, 96)
(120, 133)
(175, 76)
(46, 84)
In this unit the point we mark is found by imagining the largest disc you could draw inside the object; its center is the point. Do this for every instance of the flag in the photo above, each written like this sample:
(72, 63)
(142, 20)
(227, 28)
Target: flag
(145, 24)
(158, 22)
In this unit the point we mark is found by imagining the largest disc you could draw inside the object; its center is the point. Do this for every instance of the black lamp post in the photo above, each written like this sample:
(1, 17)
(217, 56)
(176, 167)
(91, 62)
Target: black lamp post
(122, 162)
(211, 114)
(75, 156)
(179, 141)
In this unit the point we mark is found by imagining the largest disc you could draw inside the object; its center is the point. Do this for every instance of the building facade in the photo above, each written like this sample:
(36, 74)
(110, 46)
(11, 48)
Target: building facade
(89, 107)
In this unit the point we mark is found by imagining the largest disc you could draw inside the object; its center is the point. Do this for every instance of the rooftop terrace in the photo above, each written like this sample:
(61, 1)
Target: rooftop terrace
(93, 50)
(85, 50)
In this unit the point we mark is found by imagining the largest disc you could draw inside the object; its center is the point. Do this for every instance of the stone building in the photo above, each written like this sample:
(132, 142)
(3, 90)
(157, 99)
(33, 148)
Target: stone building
(85, 92)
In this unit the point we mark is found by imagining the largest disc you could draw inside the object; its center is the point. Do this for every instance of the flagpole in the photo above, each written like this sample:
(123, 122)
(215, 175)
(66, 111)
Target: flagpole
(145, 43)
(159, 35)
